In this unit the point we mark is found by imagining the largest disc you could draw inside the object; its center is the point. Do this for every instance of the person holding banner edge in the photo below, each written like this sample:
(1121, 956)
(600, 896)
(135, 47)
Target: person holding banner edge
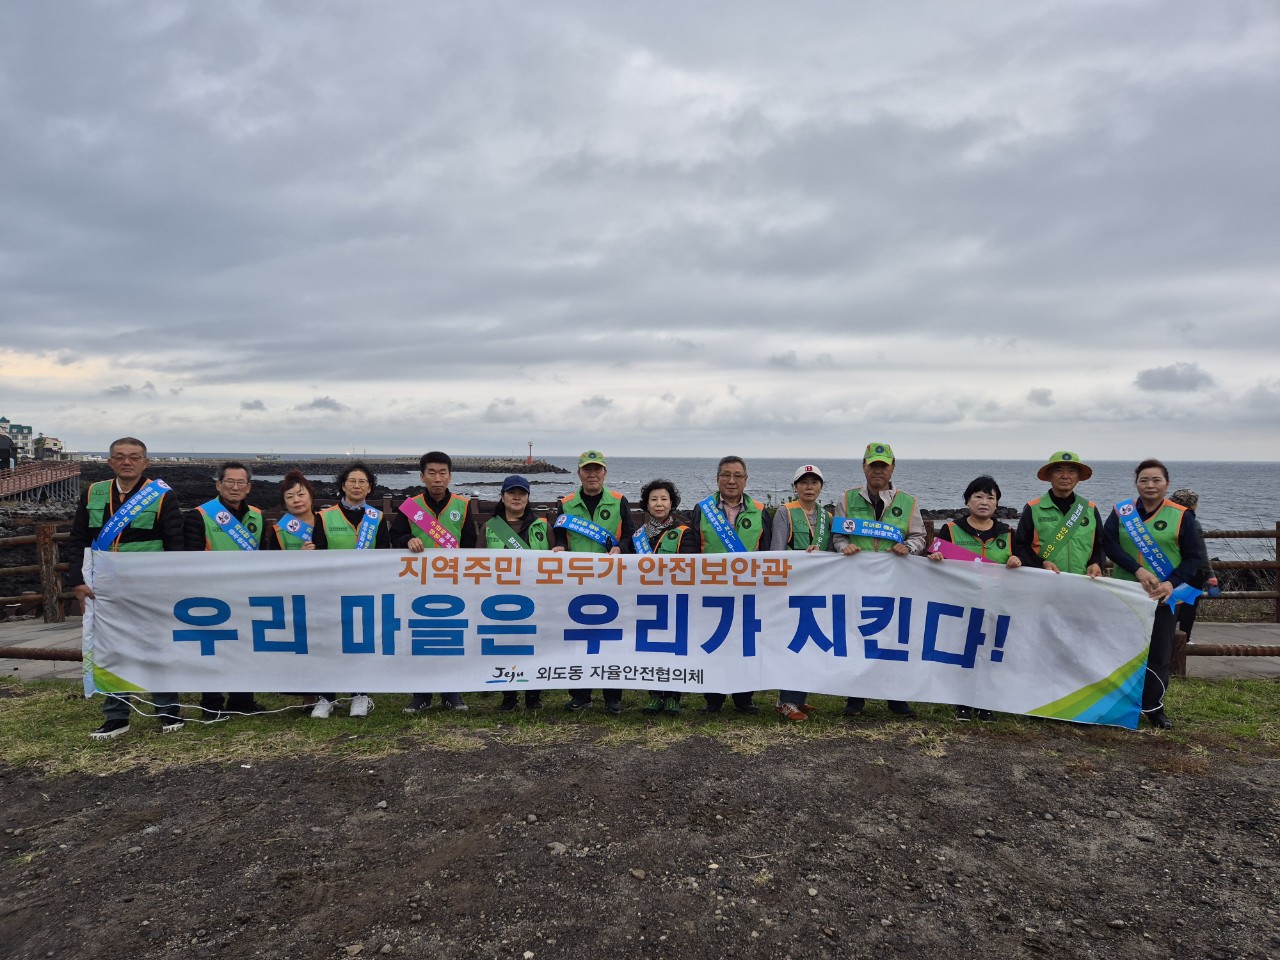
(880, 518)
(435, 519)
(1061, 531)
(977, 536)
(227, 522)
(129, 514)
(1155, 542)
(729, 521)
(593, 520)
(801, 524)
(662, 533)
(514, 526)
(352, 524)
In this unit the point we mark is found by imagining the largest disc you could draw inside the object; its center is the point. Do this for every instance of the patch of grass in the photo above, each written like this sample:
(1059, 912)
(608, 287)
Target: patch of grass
(44, 726)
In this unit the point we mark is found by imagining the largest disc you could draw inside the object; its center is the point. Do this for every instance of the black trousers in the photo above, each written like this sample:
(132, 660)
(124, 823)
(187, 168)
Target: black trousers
(1158, 660)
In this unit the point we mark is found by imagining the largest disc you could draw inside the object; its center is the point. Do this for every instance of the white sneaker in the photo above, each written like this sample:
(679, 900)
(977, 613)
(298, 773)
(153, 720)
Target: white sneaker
(322, 709)
(360, 705)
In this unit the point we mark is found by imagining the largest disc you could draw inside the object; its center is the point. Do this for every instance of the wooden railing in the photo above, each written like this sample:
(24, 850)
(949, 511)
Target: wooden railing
(49, 567)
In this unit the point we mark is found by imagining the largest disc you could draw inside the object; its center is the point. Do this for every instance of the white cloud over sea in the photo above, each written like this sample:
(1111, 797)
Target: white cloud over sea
(653, 228)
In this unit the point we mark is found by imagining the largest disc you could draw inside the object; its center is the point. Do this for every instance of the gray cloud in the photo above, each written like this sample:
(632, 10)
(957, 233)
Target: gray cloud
(321, 403)
(1175, 377)
(252, 405)
(463, 207)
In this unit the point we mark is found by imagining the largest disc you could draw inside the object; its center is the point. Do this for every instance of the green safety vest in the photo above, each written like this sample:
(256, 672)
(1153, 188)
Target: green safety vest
(451, 518)
(669, 542)
(998, 549)
(537, 537)
(1071, 555)
(608, 515)
(1163, 525)
(100, 503)
(338, 531)
(287, 540)
(801, 536)
(749, 527)
(216, 539)
(897, 514)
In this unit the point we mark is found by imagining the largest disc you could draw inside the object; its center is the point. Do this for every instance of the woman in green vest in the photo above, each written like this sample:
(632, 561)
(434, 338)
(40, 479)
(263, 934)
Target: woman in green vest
(982, 535)
(801, 524)
(297, 497)
(352, 524)
(514, 526)
(663, 533)
(1173, 560)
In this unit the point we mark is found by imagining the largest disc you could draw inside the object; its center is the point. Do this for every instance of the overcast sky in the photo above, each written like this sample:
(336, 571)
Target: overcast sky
(971, 228)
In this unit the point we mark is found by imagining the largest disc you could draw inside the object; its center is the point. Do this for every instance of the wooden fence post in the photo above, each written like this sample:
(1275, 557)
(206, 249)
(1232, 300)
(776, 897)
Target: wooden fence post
(50, 582)
(1178, 662)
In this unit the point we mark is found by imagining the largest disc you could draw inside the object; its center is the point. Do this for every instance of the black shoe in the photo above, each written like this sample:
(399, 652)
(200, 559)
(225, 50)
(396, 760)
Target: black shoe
(748, 708)
(509, 702)
(613, 707)
(900, 708)
(533, 704)
(964, 714)
(110, 729)
(986, 716)
(420, 703)
(710, 709)
(169, 723)
(1159, 720)
(576, 705)
(853, 706)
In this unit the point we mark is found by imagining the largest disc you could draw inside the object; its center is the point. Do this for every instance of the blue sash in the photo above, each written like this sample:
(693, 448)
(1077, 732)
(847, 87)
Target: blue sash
(720, 524)
(298, 528)
(585, 528)
(641, 541)
(1127, 513)
(128, 512)
(858, 527)
(229, 525)
(368, 527)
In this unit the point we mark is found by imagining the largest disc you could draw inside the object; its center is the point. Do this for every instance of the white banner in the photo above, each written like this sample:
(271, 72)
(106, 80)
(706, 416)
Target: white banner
(871, 625)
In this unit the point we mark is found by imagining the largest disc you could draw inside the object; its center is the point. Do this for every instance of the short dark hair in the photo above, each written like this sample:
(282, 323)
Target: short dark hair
(731, 459)
(351, 468)
(295, 478)
(982, 484)
(1148, 464)
(434, 456)
(653, 485)
(233, 465)
(128, 442)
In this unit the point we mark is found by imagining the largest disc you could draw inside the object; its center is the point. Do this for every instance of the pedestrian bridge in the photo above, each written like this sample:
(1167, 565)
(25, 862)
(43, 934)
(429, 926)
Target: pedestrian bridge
(37, 482)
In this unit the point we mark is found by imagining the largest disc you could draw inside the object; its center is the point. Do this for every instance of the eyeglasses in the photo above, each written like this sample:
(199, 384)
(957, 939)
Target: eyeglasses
(353, 482)
(127, 458)
(234, 483)
(732, 476)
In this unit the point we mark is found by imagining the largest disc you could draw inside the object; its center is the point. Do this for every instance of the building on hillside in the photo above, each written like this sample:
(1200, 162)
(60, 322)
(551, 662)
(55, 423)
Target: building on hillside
(21, 436)
(48, 448)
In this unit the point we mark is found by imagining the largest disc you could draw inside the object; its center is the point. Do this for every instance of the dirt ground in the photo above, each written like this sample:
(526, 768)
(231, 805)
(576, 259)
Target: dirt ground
(894, 840)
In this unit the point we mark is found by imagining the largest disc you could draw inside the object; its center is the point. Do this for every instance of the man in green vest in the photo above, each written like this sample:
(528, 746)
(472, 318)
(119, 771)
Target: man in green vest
(1061, 531)
(603, 524)
(880, 501)
(729, 521)
(435, 519)
(157, 526)
(227, 522)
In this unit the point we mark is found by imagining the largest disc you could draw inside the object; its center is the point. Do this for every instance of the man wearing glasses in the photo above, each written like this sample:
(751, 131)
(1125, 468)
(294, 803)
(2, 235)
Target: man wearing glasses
(129, 514)
(729, 521)
(226, 522)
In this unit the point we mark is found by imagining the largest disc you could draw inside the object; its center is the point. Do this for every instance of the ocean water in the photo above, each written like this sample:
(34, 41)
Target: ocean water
(1233, 495)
